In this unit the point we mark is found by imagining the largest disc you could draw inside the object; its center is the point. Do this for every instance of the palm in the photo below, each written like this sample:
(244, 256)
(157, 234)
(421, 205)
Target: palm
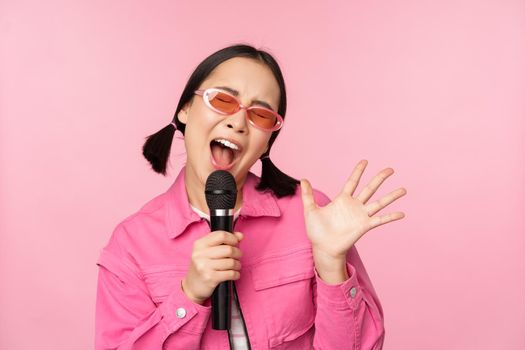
(334, 228)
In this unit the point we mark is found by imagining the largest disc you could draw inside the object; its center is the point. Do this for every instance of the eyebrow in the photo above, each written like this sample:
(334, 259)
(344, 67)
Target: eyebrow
(236, 93)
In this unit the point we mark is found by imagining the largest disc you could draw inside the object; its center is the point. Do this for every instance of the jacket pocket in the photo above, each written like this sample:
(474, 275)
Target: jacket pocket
(160, 280)
(283, 289)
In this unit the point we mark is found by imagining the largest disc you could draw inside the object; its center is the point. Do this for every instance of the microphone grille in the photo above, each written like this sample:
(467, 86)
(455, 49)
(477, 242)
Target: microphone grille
(221, 190)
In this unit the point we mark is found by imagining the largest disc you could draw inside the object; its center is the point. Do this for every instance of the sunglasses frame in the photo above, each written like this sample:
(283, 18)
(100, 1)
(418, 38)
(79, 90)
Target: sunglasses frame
(204, 93)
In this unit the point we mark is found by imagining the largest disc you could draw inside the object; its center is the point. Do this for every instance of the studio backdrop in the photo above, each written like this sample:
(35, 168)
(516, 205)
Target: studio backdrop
(433, 89)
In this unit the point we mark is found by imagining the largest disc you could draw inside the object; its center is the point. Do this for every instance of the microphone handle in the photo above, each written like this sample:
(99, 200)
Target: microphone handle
(221, 297)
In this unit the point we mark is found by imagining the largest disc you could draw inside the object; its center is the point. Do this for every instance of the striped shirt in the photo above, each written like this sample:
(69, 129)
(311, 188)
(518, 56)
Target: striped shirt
(237, 336)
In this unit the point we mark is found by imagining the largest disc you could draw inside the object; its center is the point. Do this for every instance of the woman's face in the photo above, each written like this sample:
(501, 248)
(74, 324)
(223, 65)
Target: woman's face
(253, 81)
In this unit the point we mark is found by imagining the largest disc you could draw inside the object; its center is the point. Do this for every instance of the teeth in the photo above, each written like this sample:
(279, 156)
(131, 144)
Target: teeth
(228, 144)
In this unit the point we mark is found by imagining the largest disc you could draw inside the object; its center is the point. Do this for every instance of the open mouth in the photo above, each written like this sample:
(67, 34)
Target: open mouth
(224, 154)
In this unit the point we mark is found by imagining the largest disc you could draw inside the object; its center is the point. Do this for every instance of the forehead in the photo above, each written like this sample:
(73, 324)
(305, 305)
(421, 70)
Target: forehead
(254, 80)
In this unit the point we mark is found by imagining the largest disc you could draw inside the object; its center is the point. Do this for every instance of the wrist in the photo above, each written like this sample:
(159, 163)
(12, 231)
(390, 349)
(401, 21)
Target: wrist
(189, 295)
(330, 269)
(328, 261)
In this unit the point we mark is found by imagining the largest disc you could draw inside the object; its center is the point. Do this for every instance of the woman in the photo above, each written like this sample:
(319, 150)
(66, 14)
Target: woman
(298, 280)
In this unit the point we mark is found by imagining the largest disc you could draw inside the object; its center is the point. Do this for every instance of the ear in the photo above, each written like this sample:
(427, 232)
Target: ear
(183, 114)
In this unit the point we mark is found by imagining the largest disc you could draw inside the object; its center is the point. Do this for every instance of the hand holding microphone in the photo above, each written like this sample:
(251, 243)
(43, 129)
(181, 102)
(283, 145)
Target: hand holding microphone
(214, 259)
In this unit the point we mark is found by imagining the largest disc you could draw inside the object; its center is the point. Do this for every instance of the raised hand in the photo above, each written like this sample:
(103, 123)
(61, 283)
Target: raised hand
(334, 228)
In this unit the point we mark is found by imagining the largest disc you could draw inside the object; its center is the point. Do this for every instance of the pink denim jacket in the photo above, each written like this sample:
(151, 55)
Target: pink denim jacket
(285, 304)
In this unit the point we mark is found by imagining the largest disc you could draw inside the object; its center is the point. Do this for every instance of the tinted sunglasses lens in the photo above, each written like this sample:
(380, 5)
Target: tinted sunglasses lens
(263, 118)
(227, 104)
(223, 102)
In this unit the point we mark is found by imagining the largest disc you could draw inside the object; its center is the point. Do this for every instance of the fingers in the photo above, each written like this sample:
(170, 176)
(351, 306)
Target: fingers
(373, 185)
(223, 251)
(379, 204)
(353, 180)
(219, 244)
(381, 220)
(228, 275)
(225, 264)
(307, 195)
(214, 259)
(220, 237)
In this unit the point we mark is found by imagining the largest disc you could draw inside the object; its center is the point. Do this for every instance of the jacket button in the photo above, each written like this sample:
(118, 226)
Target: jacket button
(181, 312)
(353, 292)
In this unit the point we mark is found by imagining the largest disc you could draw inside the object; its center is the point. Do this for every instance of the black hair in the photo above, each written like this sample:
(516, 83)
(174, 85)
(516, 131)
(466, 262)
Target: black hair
(157, 147)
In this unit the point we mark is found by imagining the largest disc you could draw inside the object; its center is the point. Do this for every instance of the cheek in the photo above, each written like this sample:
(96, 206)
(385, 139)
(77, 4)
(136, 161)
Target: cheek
(200, 115)
(199, 124)
(260, 144)
(265, 140)
(195, 137)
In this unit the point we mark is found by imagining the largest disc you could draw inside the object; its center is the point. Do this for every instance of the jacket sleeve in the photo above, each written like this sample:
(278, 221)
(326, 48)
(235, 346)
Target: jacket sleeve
(127, 318)
(349, 315)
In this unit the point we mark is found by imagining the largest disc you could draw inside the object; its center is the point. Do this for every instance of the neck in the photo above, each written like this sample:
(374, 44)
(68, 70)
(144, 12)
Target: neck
(195, 189)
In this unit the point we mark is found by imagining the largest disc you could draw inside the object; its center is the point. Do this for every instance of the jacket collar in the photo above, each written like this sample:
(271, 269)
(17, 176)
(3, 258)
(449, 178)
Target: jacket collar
(179, 214)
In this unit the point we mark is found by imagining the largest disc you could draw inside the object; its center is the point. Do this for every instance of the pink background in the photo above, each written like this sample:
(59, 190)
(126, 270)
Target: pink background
(434, 89)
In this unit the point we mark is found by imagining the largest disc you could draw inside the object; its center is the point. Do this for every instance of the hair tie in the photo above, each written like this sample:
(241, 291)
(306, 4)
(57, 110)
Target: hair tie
(173, 123)
(267, 156)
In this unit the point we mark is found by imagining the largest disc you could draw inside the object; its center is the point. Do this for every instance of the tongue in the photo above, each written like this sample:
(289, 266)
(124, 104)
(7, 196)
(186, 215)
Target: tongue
(222, 155)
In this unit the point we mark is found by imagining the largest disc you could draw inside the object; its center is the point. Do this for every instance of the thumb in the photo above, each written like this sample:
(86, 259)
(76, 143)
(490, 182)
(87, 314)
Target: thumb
(307, 195)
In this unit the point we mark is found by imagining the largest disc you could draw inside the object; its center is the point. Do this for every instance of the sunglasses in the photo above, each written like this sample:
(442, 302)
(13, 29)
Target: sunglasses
(225, 103)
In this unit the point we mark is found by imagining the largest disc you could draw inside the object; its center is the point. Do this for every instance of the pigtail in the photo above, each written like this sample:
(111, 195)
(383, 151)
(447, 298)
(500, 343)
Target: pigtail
(275, 180)
(157, 148)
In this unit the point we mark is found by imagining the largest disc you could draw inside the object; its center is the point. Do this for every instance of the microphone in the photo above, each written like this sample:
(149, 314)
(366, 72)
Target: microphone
(221, 195)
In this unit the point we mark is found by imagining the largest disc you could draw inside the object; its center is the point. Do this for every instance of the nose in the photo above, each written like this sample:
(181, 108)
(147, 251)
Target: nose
(237, 121)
